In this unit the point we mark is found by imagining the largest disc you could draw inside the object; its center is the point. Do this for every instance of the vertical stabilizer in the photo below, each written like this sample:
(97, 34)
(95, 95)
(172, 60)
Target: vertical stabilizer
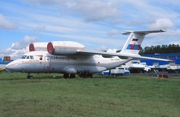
(135, 39)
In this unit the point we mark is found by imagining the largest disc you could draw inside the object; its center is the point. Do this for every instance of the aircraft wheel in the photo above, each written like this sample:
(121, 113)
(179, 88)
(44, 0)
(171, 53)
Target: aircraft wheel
(66, 76)
(30, 77)
(72, 76)
(90, 75)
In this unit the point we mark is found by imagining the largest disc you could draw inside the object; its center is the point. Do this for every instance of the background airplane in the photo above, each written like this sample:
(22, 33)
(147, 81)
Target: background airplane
(71, 58)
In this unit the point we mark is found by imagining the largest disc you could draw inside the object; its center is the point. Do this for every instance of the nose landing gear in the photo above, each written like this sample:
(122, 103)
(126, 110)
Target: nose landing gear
(29, 76)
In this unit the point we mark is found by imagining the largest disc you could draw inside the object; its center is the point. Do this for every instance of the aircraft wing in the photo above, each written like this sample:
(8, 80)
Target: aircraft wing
(121, 55)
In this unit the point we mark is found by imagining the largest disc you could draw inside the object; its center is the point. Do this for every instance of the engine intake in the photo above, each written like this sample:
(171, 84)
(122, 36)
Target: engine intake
(38, 46)
(64, 47)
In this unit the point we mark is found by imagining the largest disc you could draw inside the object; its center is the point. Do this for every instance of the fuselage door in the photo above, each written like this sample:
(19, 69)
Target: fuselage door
(47, 62)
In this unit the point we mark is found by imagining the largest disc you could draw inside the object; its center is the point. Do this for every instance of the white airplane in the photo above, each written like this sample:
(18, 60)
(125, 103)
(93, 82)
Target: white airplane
(71, 58)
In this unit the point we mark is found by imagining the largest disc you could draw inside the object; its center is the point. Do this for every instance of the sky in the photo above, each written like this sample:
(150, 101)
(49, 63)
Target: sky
(97, 24)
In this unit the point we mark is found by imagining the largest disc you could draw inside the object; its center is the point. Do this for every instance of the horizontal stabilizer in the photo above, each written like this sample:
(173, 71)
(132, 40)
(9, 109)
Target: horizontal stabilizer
(143, 32)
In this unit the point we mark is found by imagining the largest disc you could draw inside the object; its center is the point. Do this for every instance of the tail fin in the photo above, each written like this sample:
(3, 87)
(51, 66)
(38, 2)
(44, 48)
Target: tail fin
(133, 43)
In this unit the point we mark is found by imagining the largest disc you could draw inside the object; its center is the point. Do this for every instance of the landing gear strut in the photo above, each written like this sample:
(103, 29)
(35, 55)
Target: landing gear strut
(29, 76)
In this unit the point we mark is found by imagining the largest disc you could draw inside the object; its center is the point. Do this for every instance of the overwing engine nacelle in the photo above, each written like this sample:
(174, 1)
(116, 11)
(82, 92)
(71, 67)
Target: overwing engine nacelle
(38, 46)
(64, 47)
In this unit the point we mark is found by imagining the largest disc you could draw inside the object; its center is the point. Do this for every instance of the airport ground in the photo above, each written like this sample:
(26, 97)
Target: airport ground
(50, 95)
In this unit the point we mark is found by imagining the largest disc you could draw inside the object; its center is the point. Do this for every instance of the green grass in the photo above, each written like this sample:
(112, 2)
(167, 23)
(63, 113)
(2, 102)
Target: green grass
(49, 95)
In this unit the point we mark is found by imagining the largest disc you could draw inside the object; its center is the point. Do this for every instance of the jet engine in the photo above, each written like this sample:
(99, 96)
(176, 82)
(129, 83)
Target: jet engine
(64, 47)
(38, 46)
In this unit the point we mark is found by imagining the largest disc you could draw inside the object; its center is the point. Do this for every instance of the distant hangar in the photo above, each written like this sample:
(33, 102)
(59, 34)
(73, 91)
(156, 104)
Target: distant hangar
(172, 56)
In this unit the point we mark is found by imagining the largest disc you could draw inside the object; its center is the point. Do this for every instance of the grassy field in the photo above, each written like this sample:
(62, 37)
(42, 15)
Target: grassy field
(49, 95)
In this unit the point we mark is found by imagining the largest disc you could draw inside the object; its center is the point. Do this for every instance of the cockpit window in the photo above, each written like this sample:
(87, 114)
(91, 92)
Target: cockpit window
(27, 57)
(23, 57)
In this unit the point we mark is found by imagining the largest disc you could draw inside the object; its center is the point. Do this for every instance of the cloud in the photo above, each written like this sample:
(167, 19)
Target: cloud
(113, 32)
(175, 42)
(19, 48)
(92, 10)
(24, 43)
(44, 2)
(6, 24)
(163, 23)
(101, 48)
(96, 10)
(13, 53)
(40, 28)
(172, 36)
(166, 38)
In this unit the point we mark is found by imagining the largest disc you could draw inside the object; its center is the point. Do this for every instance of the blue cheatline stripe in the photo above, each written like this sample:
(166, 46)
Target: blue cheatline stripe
(133, 47)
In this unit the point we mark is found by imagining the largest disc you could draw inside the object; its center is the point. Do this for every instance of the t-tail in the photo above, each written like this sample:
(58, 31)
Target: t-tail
(135, 39)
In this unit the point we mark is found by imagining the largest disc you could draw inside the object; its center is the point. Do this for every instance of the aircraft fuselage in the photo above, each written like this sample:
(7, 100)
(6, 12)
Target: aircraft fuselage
(71, 64)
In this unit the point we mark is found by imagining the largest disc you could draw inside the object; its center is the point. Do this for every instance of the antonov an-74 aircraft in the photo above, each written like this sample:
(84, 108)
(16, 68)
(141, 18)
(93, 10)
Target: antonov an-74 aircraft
(71, 58)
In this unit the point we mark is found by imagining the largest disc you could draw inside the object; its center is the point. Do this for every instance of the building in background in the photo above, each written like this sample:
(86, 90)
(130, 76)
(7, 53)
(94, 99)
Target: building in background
(171, 67)
(171, 56)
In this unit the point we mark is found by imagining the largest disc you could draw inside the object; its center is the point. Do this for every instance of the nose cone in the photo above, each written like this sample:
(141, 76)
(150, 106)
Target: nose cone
(10, 67)
(13, 66)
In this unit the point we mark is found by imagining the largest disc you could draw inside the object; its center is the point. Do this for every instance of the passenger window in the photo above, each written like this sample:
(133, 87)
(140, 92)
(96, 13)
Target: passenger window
(27, 57)
(31, 57)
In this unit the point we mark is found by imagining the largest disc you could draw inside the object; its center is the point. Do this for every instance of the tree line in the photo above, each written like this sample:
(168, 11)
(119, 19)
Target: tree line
(171, 48)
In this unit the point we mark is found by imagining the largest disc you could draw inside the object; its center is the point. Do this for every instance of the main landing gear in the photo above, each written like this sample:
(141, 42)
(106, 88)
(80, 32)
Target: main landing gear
(84, 74)
(29, 76)
(69, 75)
